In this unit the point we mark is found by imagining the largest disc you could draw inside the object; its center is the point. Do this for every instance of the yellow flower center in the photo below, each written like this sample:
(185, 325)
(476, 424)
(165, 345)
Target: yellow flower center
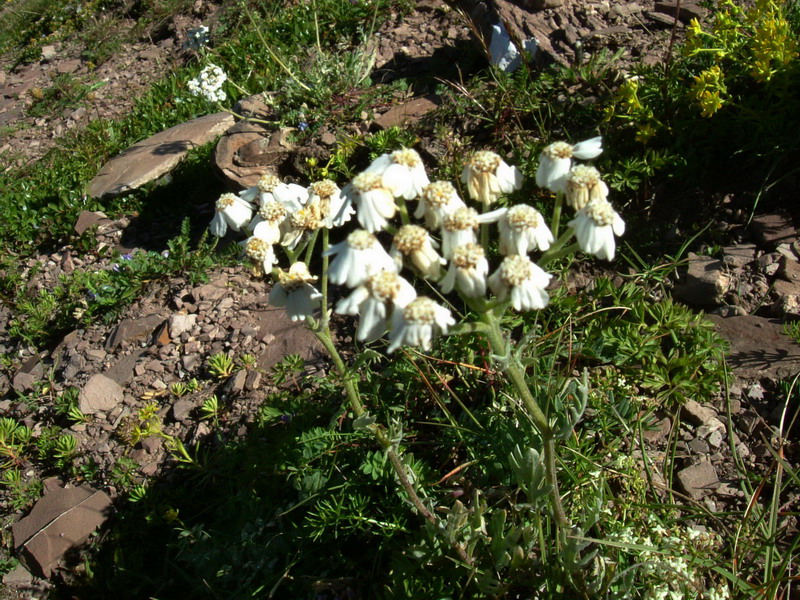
(268, 182)
(522, 217)
(406, 157)
(297, 276)
(484, 161)
(256, 248)
(324, 189)
(516, 269)
(384, 285)
(272, 212)
(601, 212)
(583, 176)
(226, 201)
(468, 256)
(410, 238)
(365, 182)
(462, 219)
(361, 239)
(420, 311)
(306, 218)
(438, 193)
(558, 150)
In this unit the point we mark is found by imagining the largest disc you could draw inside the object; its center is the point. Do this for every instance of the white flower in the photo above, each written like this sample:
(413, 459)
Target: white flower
(488, 177)
(374, 201)
(232, 212)
(595, 226)
(438, 199)
(271, 189)
(358, 257)
(372, 300)
(197, 37)
(333, 209)
(556, 160)
(417, 323)
(467, 271)
(261, 252)
(295, 292)
(402, 172)
(522, 229)
(584, 185)
(416, 243)
(525, 281)
(209, 84)
(459, 227)
(270, 222)
(304, 220)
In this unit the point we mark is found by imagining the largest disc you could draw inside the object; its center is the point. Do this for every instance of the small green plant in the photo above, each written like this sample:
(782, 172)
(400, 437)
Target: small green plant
(66, 404)
(248, 361)
(143, 424)
(210, 410)
(220, 365)
(181, 388)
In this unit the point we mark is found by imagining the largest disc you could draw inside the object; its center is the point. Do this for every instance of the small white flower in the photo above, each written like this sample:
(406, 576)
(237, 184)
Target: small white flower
(261, 252)
(270, 222)
(595, 226)
(556, 160)
(467, 271)
(358, 257)
(232, 212)
(416, 243)
(438, 199)
(525, 281)
(209, 84)
(522, 229)
(417, 323)
(304, 220)
(402, 171)
(459, 227)
(326, 199)
(294, 292)
(374, 201)
(584, 185)
(197, 37)
(488, 177)
(372, 300)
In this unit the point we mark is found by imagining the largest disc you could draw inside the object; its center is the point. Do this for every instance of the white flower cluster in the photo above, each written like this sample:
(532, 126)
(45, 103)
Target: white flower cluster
(197, 37)
(446, 249)
(209, 84)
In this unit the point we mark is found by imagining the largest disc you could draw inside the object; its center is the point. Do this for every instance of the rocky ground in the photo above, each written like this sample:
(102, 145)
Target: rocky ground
(751, 287)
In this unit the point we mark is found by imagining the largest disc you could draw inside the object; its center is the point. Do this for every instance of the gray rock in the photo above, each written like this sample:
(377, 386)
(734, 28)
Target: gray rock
(181, 323)
(130, 330)
(699, 480)
(88, 219)
(740, 255)
(773, 229)
(100, 394)
(18, 577)
(408, 113)
(181, 409)
(48, 52)
(150, 159)
(706, 282)
(697, 414)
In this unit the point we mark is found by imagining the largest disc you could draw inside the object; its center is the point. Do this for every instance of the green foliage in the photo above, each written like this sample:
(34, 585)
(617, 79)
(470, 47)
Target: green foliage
(221, 366)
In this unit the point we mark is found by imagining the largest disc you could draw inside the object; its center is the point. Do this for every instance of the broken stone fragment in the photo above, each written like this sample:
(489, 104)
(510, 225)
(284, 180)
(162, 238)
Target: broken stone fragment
(699, 480)
(99, 394)
(706, 282)
(61, 520)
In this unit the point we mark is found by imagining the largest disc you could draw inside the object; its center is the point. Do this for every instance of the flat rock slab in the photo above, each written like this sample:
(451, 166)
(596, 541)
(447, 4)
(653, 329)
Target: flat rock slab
(61, 520)
(699, 480)
(100, 394)
(773, 229)
(284, 337)
(408, 112)
(150, 159)
(758, 347)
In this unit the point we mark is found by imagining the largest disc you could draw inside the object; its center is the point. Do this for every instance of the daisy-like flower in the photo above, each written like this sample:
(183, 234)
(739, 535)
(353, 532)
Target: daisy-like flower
(374, 201)
(460, 227)
(332, 209)
(270, 222)
(488, 177)
(232, 212)
(271, 189)
(304, 220)
(417, 323)
(584, 186)
(261, 252)
(294, 292)
(402, 171)
(595, 226)
(467, 271)
(522, 229)
(416, 243)
(556, 160)
(525, 281)
(372, 300)
(437, 200)
(357, 257)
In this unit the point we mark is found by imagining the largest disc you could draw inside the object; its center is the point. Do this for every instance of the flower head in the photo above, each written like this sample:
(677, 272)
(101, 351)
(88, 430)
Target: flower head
(522, 229)
(231, 211)
(208, 84)
(584, 185)
(460, 227)
(417, 323)
(261, 252)
(358, 257)
(595, 226)
(488, 177)
(373, 299)
(416, 243)
(523, 280)
(467, 271)
(437, 200)
(270, 222)
(374, 201)
(294, 292)
(333, 209)
(402, 171)
(556, 160)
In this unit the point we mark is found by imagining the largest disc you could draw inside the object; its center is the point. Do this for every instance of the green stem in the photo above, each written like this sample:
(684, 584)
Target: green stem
(310, 247)
(516, 374)
(549, 257)
(556, 224)
(403, 210)
(324, 283)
